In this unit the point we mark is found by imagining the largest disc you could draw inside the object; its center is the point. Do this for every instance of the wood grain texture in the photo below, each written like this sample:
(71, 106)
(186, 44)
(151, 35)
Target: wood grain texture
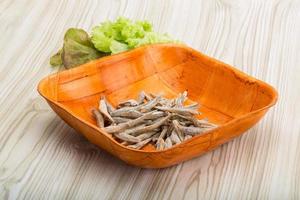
(43, 158)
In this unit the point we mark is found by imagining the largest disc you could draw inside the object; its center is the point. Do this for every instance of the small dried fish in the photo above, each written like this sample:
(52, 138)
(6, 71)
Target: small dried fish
(140, 144)
(160, 144)
(110, 108)
(174, 138)
(126, 113)
(155, 137)
(125, 143)
(103, 109)
(163, 132)
(141, 97)
(168, 143)
(150, 104)
(128, 103)
(181, 99)
(147, 96)
(151, 118)
(198, 122)
(121, 127)
(148, 128)
(203, 123)
(127, 138)
(120, 120)
(177, 130)
(98, 117)
(146, 135)
(193, 130)
(181, 111)
(187, 137)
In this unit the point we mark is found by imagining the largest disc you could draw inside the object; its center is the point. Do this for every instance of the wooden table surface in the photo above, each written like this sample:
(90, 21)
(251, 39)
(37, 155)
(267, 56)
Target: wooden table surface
(41, 157)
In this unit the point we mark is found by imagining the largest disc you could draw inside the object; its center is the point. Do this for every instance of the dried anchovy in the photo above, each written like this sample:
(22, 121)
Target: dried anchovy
(140, 144)
(148, 106)
(128, 124)
(182, 111)
(177, 129)
(193, 130)
(127, 138)
(155, 137)
(151, 118)
(160, 144)
(181, 99)
(103, 109)
(168, 143)
(126, 113)
(148, 128)
(128, 103)
(187, 137)
(174, 138)
(110, 108)
(163, 132)
(141, 97)
(146, 135)
(99, 117)
(120, 120)
(147, 96)
(197, 122)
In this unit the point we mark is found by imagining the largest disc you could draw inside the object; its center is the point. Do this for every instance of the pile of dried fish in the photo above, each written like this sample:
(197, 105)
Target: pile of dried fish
(151, 119)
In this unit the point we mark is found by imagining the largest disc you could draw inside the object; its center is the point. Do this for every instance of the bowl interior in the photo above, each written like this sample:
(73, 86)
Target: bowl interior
(223, 92)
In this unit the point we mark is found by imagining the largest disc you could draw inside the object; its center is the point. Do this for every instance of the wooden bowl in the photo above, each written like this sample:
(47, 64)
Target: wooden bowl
(229, 98)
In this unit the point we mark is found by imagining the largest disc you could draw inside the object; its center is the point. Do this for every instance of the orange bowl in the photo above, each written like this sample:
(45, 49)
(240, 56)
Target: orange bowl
(229, 98)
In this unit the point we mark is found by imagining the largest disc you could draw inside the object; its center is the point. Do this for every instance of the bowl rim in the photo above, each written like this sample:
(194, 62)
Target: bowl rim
(185, 47)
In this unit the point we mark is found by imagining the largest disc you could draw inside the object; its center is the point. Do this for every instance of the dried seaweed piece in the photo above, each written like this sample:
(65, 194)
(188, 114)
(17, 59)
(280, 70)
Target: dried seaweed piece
(140, 144)
(99, 118)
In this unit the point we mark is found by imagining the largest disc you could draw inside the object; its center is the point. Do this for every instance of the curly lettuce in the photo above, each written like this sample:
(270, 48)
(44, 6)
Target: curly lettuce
(124, 34)
(107, 38)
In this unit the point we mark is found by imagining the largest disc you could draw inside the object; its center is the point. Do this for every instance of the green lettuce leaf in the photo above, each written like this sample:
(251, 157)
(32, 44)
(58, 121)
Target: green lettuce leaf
(77, 49)
(106, 38)
(56, 60)
(125, 34)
